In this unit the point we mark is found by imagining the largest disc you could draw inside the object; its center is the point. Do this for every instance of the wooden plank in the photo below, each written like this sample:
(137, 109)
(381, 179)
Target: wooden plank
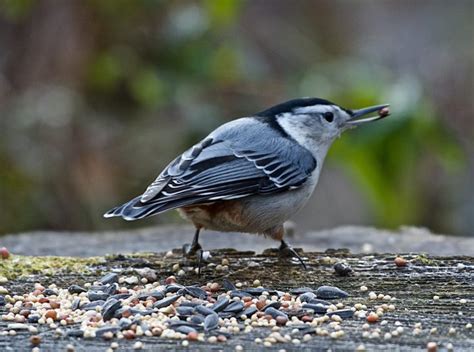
(442, 321)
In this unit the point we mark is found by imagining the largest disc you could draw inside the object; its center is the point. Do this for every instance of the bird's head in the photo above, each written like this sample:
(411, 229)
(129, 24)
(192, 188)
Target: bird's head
(315, 122)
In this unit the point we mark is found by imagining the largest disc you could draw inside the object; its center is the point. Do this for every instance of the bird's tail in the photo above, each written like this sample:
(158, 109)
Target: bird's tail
(134, 210)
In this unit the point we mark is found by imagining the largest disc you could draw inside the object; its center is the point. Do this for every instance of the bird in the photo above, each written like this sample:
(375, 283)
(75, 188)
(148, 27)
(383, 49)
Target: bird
(251, 174)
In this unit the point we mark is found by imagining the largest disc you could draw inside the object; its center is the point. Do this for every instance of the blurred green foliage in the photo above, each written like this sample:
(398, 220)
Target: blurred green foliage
(155, 76)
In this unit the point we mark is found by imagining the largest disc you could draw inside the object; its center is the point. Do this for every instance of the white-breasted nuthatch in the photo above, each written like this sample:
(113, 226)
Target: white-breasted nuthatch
(250, 174)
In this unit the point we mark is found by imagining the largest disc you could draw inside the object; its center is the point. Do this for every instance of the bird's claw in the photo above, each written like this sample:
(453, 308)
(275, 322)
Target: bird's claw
(289, 252)
(190, 249)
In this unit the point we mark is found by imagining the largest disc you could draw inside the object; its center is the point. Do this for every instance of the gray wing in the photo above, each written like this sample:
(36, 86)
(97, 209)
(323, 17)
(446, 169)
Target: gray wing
(223, 169)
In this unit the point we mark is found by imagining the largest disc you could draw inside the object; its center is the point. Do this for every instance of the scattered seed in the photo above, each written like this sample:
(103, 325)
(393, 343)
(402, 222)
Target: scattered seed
(431, 347)
(330, 292)
(400, 261)
(342, 269)
(4, 253)
(372, 318)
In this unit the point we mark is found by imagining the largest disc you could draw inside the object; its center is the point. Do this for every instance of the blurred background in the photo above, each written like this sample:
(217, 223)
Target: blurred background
(96, 97)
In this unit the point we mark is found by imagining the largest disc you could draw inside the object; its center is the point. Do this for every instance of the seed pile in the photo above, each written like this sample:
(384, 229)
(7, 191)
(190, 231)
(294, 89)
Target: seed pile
(125, 308)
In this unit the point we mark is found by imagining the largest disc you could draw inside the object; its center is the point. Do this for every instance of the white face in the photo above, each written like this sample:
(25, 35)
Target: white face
(315, 127)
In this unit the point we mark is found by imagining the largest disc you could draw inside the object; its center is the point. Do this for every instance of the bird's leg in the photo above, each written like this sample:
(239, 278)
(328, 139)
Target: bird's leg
(194, 247)
(287, 251)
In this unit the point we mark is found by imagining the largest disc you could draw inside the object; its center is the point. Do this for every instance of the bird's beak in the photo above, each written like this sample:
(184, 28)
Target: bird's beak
(382, 111)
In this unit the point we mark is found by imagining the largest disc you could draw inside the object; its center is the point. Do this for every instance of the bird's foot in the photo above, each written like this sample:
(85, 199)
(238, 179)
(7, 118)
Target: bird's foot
(191, 249)
(287, 251)
(195, 250)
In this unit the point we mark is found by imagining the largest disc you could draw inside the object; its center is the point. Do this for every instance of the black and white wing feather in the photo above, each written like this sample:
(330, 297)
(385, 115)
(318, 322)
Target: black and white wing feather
(224, 166)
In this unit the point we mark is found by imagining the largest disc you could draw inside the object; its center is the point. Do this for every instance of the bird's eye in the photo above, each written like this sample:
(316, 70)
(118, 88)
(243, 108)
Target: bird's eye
(328, 116)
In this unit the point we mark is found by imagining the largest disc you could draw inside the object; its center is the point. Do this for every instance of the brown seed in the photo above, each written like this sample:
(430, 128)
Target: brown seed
(51, 314)
(221, 338)
(372, 318)
(129, 334)
(399, 261)
(260, 304)
(126, 313)
(4, 253)
(193, 336)
(285, 304)
(384, 111)
(170, 280)
(43, 300)
(431, 347)
(281, 320)
(54, 305)
(215, 287)
(307, 318)
(35, 340)
(247, 299)
(25, 312)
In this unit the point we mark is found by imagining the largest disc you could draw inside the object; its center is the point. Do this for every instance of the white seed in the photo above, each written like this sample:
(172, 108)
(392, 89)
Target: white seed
(363, 289)
(435, 298)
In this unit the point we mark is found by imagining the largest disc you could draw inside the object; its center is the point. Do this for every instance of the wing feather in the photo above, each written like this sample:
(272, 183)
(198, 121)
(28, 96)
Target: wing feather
(223, 169)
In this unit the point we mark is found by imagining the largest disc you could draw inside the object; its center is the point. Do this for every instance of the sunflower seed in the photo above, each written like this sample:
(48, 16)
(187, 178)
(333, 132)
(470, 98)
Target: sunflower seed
(343, 313)
(211, 322)
(109, 278)
(97, 296)
(234, 307)
(76, 289)
(229, 286)
(301, 290)
(109, 308)
(165, 302)
(330, 292)
(204, 310)
(185, 311)
(275, 312)
(221, 303)
(307, 296)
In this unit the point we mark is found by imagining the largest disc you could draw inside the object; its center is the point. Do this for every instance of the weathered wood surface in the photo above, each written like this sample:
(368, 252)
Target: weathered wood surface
(451, 278)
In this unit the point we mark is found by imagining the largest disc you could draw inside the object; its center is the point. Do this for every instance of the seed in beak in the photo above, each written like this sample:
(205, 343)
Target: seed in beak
(384, 111)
